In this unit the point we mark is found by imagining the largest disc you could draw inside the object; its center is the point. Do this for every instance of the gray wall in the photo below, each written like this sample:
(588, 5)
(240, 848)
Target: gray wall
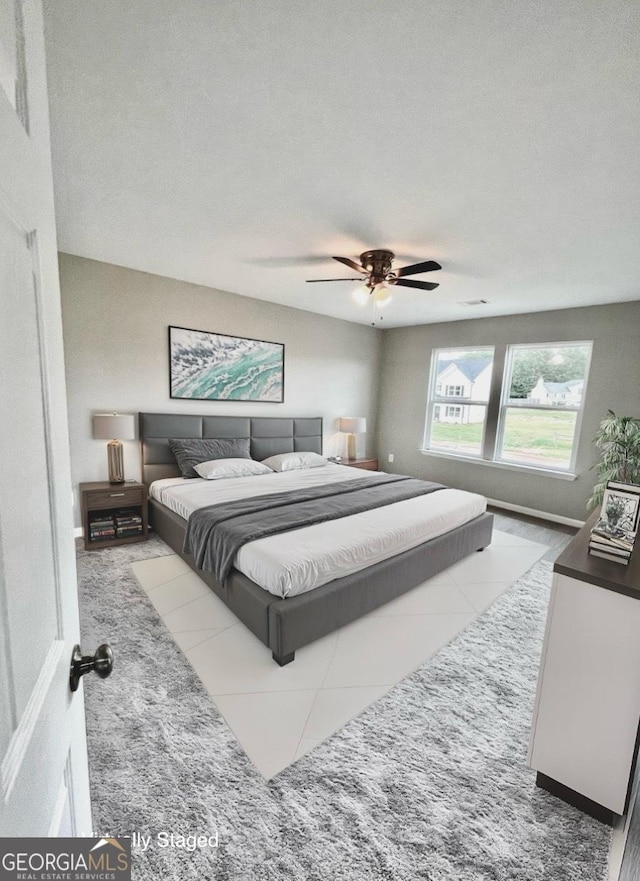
(614, 383)
(116, 352)
(115, 332)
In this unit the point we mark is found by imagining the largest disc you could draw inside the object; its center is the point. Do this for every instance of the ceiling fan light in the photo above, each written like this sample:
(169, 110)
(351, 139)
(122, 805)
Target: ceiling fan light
(381, 295)
(361, 295)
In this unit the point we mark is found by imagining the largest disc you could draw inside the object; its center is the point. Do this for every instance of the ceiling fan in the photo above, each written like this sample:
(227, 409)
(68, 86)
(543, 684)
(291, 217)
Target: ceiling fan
(377, 273)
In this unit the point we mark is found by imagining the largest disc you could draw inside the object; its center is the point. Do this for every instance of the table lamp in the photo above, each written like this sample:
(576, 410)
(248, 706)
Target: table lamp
(352, 425)
(114, 427)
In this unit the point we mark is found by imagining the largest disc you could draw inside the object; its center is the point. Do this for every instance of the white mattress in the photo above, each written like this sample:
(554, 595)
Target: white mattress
(317, 554)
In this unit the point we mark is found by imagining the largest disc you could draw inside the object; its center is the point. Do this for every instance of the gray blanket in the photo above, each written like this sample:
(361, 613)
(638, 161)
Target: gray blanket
(216, 533)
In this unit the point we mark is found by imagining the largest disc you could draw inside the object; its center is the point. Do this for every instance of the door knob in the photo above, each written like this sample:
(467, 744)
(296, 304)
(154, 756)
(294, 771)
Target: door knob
(101, 663)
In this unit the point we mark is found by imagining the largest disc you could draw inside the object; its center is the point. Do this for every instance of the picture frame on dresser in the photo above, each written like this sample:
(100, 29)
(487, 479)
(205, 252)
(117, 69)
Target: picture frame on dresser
(209, 366)
(620, 510)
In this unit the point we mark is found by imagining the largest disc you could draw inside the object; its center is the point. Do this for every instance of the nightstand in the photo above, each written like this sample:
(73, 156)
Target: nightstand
(367, 464)
(113, 514)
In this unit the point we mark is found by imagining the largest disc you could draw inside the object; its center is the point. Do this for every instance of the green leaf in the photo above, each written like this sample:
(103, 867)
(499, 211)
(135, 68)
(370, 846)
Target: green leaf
(618, 439)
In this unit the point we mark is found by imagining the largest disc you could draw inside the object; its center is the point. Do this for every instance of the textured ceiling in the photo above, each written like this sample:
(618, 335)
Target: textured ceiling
(240, 143)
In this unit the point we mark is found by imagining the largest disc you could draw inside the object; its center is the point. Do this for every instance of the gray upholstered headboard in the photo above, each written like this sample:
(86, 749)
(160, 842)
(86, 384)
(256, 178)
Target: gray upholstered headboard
(267, 437)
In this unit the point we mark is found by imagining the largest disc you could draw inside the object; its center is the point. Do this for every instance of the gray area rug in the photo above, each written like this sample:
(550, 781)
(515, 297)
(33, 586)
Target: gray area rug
(430, 782)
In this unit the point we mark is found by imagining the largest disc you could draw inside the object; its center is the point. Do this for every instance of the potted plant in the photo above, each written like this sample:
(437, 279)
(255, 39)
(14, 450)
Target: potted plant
(619, 441)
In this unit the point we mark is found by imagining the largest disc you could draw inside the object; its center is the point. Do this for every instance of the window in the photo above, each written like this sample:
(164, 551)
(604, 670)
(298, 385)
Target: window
(535, 410)
(542, 403)
(452, 427)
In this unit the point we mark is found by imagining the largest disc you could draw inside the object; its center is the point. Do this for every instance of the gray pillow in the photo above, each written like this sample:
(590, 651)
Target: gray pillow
(192, 451)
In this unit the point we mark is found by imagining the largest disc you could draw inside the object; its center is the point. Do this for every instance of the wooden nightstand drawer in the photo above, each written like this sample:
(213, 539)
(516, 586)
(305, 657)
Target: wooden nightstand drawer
(115, 498)
(367, 464)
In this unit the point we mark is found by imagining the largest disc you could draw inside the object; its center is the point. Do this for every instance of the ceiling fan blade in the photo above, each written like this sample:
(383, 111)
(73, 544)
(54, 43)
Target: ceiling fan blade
(351, 263)
(416, 268)
(422, 285)
(333, 279)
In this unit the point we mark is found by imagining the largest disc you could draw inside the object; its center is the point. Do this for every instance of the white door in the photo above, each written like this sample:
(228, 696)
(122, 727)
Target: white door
(43, 772)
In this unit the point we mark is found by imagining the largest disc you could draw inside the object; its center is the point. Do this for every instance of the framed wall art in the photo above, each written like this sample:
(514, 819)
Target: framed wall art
(206, 366)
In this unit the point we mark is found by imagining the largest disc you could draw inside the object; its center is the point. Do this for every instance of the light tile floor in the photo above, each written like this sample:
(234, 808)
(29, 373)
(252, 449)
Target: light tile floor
(280, 713)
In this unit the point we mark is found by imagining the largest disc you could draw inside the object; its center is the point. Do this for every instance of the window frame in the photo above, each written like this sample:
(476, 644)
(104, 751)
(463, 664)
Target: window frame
(497, 407)
(505, 406)
(434, 399)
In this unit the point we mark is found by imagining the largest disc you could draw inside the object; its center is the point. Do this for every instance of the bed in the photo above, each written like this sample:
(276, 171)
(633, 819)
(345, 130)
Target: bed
(286, 623)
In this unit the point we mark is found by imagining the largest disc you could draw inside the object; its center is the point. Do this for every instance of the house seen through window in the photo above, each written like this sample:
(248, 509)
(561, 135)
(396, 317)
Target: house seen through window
(535, 407)
(542, 404)
(463, 374)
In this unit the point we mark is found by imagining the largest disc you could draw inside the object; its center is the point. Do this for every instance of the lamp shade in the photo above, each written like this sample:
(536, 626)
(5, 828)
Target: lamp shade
(352, 424)
(108, 426)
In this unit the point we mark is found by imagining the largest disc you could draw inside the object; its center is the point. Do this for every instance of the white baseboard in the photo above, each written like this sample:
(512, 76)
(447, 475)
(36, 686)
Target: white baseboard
(532, 512)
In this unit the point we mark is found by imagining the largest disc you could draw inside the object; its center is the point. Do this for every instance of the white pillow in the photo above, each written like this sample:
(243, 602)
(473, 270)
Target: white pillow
(293, 461)
(218, 468)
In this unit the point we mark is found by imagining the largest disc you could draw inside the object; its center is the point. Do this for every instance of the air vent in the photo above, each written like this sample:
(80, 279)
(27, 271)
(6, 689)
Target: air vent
(473, 303)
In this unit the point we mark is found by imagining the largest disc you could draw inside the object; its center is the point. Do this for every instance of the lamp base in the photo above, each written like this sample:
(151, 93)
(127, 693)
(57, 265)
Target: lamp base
(351, 446)
(116, 461)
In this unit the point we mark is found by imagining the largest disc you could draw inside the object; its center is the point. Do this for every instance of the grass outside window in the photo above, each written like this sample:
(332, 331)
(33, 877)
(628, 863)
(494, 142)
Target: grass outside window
(456, 438)
(539, 437)
(534, 437)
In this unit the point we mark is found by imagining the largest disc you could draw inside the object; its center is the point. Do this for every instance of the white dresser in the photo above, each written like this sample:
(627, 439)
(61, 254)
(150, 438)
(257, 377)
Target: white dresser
(584, 738)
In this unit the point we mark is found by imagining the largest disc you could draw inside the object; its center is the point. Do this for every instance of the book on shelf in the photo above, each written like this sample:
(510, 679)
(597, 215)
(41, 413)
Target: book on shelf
(624, 561)
(623, 540)
(609, 549)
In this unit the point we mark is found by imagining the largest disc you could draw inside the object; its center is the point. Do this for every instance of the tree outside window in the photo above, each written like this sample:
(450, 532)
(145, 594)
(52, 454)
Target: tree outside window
(535, 408)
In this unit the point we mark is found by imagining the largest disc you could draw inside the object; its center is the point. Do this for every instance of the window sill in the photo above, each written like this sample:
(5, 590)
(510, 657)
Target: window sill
(508, 466)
